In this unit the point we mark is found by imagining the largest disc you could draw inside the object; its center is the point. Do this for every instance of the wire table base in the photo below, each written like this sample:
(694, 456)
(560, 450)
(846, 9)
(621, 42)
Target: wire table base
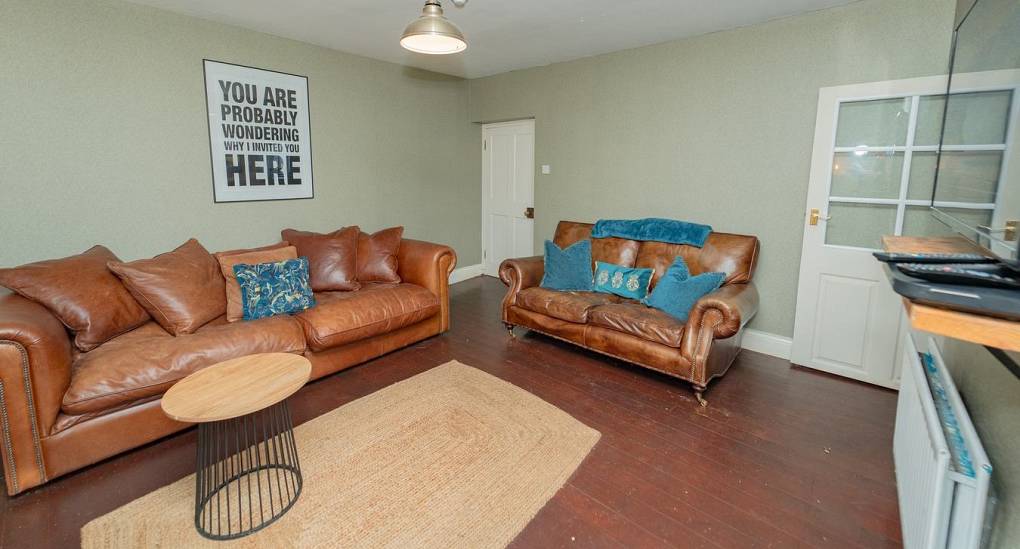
(248, 473)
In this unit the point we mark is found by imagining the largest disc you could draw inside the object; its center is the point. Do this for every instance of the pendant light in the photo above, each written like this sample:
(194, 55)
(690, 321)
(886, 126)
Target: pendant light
(432, 33)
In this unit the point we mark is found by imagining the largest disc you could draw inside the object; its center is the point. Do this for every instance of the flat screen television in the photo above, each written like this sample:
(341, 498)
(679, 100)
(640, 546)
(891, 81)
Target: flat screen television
(977, 176)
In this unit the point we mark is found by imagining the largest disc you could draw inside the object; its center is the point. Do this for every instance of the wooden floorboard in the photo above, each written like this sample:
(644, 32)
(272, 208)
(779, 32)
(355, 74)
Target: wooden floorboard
(782, 457)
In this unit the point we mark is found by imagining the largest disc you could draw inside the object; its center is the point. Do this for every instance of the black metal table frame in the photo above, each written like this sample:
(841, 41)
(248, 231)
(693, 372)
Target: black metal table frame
(236, 457)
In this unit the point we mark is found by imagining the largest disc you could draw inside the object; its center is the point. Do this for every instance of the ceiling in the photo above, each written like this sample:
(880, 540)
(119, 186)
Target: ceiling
(503, 35)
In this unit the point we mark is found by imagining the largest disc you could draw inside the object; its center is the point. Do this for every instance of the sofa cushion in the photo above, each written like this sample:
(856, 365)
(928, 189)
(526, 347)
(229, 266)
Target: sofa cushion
(182, 289)
(276, 288)
(332, 257)
(618, 251)
(640, 321)
(568, 306)
(82, 293)
(377, 255)
(254, 256)
(147, 361)
(344, 317)
(568, 269)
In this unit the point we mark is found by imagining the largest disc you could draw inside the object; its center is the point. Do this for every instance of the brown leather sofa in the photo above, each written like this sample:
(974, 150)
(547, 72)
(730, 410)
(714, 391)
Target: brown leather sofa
(697, 351)
(61, 409)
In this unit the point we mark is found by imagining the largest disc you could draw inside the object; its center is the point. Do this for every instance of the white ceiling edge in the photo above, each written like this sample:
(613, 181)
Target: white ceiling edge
(502, 35)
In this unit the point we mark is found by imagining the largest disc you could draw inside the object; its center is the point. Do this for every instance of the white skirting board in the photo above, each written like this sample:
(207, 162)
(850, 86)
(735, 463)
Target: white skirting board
(767, 343)
(464, 273)
(754, 340)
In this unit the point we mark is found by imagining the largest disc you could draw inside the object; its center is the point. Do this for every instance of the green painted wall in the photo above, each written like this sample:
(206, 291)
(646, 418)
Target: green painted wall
(104, 137)
(716, 129)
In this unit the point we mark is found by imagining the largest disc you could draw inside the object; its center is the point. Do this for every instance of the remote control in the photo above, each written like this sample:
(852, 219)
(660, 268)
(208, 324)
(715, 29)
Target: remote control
(974, 275)
(891, 257)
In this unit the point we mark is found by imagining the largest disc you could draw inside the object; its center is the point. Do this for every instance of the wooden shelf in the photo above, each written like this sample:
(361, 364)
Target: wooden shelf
(980, 329)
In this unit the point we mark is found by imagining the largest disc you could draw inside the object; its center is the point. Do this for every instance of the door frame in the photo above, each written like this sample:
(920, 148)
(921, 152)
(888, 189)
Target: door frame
(485, 169)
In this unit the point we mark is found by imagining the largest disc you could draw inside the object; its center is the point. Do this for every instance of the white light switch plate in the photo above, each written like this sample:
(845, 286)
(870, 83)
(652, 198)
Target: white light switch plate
(546, 169)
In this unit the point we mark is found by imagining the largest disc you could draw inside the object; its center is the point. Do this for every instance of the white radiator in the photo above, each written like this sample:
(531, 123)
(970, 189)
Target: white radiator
(942, 472)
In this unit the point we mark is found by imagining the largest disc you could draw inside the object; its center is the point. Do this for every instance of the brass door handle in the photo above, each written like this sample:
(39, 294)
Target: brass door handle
(529, 213)
(1009, 231)
(816, 215)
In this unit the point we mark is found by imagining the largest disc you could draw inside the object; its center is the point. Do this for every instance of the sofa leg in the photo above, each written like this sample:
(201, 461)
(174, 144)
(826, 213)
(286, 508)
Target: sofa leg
(510, 330)
(699, 393)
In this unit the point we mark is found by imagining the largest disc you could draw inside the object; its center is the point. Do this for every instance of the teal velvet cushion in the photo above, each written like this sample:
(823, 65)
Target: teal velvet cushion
(622, 281)
(277, 288)
(678, 291)
(569, 269)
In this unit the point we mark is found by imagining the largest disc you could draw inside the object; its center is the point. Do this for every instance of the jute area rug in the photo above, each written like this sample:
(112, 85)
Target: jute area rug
(452, 457)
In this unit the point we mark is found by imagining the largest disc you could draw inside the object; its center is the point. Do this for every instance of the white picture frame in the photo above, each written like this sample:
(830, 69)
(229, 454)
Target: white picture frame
(260, 144)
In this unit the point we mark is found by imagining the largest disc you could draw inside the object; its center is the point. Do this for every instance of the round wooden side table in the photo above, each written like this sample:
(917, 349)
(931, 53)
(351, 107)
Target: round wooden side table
(247, 474)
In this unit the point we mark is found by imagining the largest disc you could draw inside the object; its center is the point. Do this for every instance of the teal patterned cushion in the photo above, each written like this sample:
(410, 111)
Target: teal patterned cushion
(279, 288)
(622, 281)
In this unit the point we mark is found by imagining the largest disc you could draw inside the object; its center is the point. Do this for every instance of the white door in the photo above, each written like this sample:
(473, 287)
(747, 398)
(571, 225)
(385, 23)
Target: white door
(508, 191)
(872, 174)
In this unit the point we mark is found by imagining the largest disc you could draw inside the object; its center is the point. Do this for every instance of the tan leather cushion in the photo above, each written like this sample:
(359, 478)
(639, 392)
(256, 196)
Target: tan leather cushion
(227, 260)
(618, 251)
(147, 361)
(638, 320)
(343, 317)
(182, 289)
(82, 293)
(658, 256)
(377, 255)
(332, 257)
(569, 306)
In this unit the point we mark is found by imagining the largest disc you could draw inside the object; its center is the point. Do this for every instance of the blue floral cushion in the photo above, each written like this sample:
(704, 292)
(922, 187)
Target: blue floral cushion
(622, 281)
(568, 269)
(278, 288)
(678, 291)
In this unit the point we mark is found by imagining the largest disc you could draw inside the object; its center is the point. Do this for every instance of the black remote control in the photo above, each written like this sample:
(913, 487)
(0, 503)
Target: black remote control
(969, 274)
(891, 257)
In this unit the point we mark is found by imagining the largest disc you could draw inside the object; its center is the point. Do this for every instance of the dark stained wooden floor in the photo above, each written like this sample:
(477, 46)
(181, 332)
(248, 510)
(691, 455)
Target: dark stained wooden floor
(782, 457)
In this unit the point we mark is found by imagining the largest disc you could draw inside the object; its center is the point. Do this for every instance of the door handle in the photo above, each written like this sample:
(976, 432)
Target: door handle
(1009, 231)
(529, 213)
(816, 215)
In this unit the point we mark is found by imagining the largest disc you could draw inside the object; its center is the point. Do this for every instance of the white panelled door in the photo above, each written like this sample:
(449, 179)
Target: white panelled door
(872, 174)
(508, 192)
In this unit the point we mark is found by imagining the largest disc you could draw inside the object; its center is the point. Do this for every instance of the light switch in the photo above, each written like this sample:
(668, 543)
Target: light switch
(546, 169)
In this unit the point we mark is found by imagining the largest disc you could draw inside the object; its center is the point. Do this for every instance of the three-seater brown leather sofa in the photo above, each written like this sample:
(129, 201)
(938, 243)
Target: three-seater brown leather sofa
(697, 351)
(61, 409)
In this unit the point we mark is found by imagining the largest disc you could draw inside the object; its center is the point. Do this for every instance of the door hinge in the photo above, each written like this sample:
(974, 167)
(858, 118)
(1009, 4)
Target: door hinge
(485, 144)
(485, 254)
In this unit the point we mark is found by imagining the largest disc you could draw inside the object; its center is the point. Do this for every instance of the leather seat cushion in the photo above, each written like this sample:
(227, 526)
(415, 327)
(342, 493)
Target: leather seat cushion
(568, 306)
(147, 361)
(343, 317)
(638, 320)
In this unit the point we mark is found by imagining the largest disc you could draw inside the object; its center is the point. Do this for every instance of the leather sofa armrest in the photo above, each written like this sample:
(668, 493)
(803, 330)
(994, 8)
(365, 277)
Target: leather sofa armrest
(736, 304)
(518, 274)
(35, 371)
(428, 265)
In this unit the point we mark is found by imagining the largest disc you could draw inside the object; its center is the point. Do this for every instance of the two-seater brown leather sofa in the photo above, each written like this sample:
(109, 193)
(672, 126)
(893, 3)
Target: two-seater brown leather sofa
(697, 351)
(61, 409)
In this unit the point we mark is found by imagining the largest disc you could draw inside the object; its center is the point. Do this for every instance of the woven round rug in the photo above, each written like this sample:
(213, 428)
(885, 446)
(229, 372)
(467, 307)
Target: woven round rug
(452, 457)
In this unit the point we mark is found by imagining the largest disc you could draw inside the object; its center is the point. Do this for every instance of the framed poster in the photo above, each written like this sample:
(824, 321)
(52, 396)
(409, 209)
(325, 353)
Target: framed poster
(259, 133)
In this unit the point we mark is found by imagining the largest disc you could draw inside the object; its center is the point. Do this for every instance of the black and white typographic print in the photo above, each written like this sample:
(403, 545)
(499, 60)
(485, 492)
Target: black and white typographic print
(259, 134)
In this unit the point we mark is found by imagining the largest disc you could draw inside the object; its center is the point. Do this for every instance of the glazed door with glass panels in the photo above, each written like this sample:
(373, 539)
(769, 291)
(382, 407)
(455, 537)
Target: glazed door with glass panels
(872, 174)
(508, 190)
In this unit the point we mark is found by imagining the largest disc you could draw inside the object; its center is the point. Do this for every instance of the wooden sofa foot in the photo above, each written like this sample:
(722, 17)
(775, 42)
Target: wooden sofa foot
(510, 330)
(699, 393)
